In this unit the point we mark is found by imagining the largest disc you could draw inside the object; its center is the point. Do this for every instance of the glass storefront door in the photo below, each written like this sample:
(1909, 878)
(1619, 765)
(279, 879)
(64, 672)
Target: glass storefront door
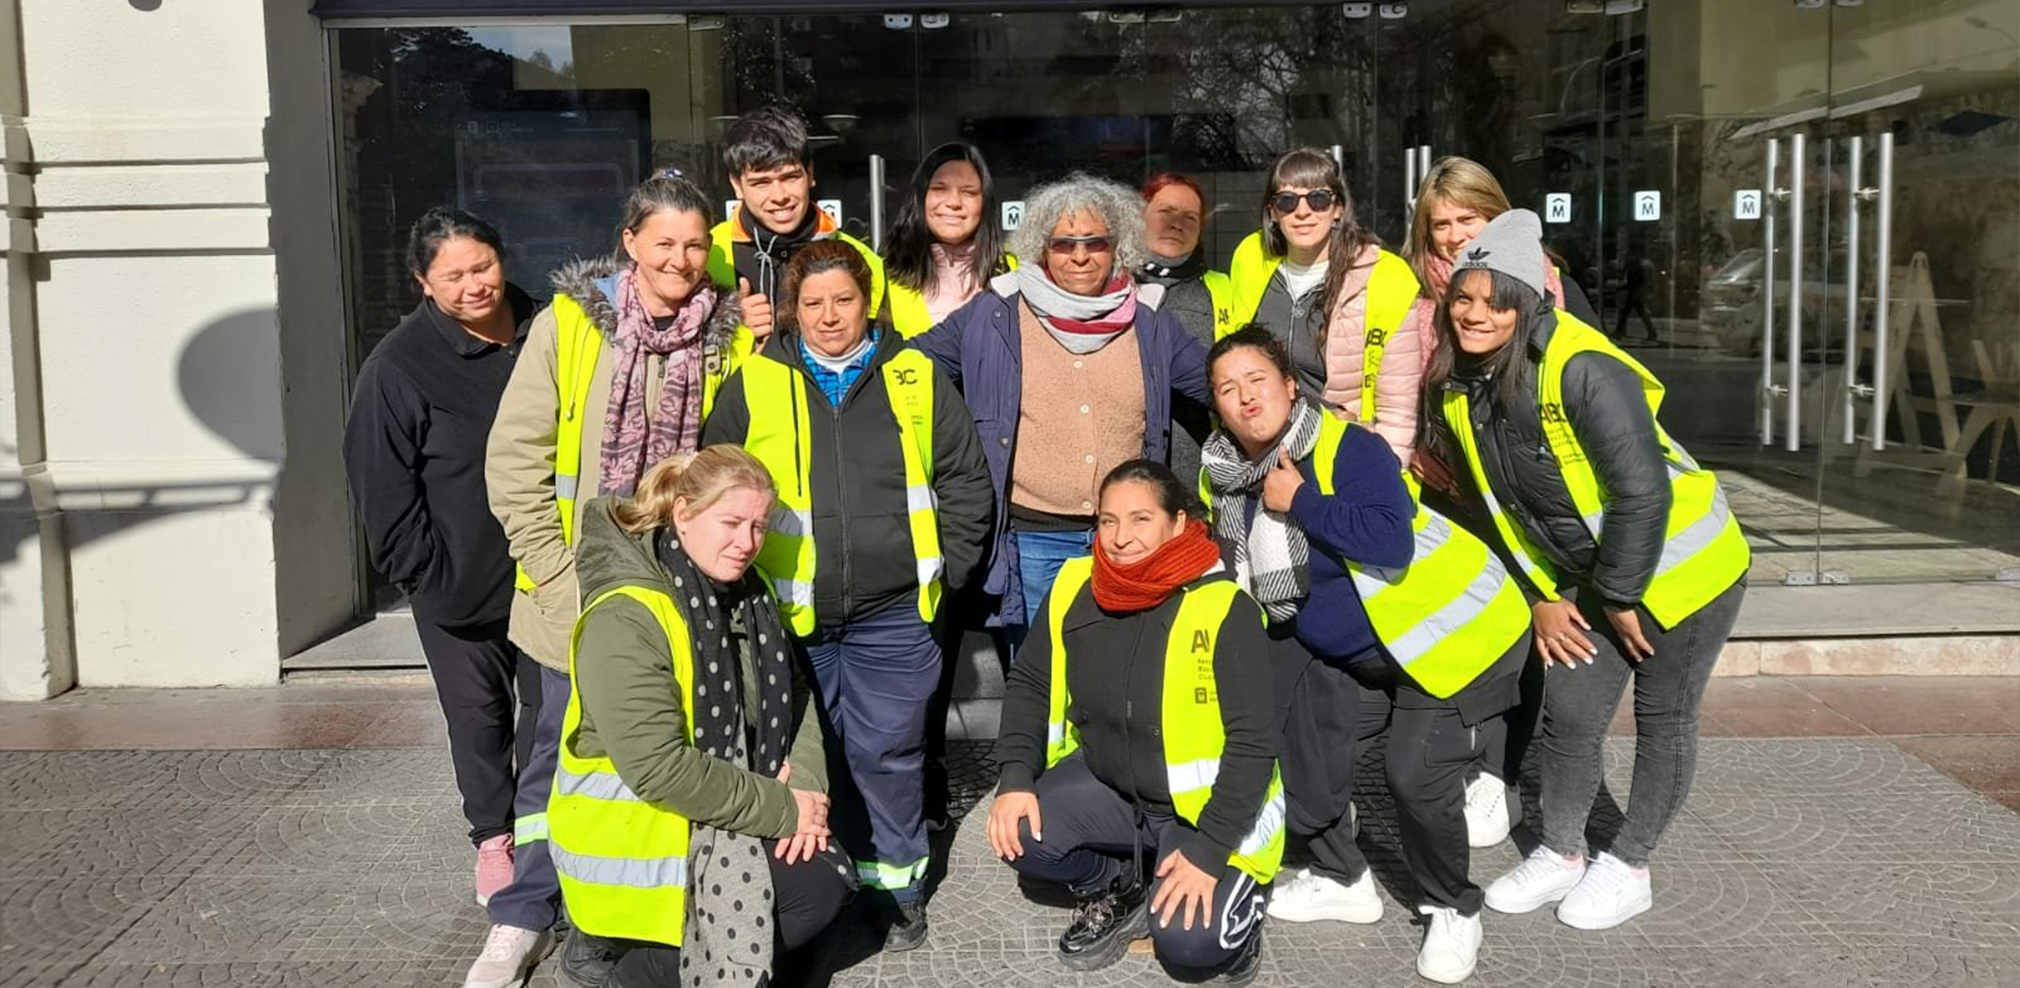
(1804, 216)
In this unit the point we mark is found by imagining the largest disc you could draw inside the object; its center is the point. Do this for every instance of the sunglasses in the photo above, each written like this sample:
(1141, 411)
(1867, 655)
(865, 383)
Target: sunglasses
(1286, 203)
(1100, 244)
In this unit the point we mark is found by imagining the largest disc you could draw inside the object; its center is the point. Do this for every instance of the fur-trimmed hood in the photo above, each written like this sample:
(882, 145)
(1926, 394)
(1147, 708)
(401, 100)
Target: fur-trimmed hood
(592, 283)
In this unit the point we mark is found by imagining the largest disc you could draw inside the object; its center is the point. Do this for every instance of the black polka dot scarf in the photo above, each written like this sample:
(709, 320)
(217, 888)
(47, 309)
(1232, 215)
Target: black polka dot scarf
(729, 931)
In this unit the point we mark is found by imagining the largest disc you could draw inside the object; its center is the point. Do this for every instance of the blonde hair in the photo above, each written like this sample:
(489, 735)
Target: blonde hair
(1455, 180)
(701, 478)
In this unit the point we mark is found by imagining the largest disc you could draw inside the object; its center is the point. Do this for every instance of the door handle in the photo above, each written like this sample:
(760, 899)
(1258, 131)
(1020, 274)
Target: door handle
(1854, 194)
(1793, 437)
(1883, 284)
(877, 203)
(1410, 180)
(1769, 389)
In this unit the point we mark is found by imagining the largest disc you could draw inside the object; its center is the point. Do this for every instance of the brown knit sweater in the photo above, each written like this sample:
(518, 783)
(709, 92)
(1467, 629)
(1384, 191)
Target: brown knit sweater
(1081, 416)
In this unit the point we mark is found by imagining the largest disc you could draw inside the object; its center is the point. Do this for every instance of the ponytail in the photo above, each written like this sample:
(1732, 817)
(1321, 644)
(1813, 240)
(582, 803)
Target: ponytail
(700, 478)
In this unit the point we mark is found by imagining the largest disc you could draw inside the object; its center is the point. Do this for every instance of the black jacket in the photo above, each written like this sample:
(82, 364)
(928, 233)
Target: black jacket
(1115, 675)
(414, 453)
(862, 528)
(1604, 402)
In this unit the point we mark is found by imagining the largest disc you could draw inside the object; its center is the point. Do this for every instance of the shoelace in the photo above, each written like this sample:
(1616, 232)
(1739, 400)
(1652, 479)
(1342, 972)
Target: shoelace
(1095, 912)
(1540, 865)
(1477, 798)
(1608, 879)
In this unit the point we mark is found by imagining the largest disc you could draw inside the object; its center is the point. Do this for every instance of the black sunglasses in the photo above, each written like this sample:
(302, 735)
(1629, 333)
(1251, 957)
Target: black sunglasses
(1286, 203)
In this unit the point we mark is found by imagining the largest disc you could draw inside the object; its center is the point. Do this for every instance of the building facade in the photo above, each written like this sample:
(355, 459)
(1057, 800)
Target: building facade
(1805, 214)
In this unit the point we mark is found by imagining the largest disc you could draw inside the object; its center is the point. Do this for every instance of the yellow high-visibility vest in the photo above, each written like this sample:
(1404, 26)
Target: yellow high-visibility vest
(780, 438)
(578, 346)
(1447, 616)
(622, 860)
(1193, 734)
(908, 305)
(722, 257)
(1392, 291)
(1703, 550)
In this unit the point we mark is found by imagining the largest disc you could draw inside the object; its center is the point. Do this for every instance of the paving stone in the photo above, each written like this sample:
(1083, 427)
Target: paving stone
(1796, 863)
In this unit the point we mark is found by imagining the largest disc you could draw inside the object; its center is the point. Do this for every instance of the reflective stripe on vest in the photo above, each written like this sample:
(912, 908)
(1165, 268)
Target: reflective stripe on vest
(578, 345)
(1193, 734)
(1392, 293)
(784, 444)
(1453, 611)
(622, 861)
(1704, 551)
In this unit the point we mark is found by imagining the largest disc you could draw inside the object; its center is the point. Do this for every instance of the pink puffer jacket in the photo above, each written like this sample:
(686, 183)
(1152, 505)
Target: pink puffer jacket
(1400, 379)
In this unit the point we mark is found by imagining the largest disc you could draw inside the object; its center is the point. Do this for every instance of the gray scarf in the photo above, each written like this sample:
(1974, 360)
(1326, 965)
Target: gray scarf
(1080, 313)
(1271, 557)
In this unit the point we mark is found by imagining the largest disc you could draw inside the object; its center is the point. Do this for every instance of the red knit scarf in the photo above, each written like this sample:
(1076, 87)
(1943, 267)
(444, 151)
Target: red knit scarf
(1144, 584)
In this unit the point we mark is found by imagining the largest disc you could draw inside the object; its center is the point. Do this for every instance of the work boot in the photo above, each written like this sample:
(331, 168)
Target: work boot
(908, 926)
(1104, 923)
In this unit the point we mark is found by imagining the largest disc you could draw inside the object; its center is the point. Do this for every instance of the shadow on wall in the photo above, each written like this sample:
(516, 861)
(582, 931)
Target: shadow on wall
(211, 376)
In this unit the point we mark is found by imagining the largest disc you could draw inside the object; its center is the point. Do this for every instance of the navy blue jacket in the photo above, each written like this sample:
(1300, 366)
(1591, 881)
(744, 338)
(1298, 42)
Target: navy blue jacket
(1366, 519)
(981, 348)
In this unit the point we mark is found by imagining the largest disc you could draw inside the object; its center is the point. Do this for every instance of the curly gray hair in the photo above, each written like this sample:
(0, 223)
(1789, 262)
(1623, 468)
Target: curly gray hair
(1118, 206)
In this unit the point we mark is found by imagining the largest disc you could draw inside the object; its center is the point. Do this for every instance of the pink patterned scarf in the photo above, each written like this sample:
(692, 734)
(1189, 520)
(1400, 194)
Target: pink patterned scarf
(632, 440)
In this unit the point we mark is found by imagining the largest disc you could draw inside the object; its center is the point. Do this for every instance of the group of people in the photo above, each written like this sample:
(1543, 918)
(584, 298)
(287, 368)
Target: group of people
(685, 546)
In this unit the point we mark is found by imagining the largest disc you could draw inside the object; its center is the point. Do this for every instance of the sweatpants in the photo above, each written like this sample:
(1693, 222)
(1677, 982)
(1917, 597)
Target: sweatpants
(1332, 717)
(807, 896)
(475, 670)
(877, 676)
(1091, 837)
(533, 900)
(1668, 691)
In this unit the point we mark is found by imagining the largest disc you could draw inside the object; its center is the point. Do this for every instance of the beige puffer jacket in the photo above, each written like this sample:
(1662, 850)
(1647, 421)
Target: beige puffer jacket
(1384, 282)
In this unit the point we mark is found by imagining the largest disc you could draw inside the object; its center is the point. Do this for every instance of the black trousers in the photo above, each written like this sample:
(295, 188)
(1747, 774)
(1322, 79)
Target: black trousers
(808, 896)
(1091, 835)
(483, 681)
(1332, 717)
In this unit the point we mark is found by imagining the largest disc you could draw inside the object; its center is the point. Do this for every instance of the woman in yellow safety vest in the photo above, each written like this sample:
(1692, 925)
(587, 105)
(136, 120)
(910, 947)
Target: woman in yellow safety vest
(945, 243)
(689, 818)
(1386, 616)
(1457, 198)
(1174, 218)
(1323, 284)
(1628, 541)
(885, 503)
(614, 376)
(1158, 734)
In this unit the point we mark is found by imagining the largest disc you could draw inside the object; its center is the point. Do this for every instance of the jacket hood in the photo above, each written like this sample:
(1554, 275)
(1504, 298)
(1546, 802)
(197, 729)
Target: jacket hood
(592, 281)
(607, 556)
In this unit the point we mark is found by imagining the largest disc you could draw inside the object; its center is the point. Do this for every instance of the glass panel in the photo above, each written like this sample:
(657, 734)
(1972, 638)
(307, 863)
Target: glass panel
(1935, 86)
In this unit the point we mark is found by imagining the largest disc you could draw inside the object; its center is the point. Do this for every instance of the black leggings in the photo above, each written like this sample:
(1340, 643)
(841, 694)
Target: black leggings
(809, 895)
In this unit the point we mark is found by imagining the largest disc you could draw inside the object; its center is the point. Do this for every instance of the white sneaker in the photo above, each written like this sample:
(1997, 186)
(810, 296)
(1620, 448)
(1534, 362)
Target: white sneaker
(1611, 893)
(1309, 896)
(508, 957)
(1451, 945)
(1486, 811)
(1543, 878)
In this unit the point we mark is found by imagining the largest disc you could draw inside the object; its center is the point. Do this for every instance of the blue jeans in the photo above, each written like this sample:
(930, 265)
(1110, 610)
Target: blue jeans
(1039, 556)
(533, 900)
(876, 677)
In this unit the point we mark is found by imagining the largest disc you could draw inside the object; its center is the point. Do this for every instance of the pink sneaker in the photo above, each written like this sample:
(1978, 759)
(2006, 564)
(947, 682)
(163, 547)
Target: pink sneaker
(494, 867)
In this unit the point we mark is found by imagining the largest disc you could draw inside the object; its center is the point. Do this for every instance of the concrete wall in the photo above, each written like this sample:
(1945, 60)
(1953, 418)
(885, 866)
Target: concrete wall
(182, 429)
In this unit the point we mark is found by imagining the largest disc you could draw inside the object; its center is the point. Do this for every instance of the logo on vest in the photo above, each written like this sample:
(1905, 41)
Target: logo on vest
(1378, 337)
(1199, 695)
(905, 375)
(1201, 641)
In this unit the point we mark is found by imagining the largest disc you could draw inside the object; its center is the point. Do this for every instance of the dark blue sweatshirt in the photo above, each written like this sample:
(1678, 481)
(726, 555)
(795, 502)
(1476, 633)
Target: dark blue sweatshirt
(1367, 519)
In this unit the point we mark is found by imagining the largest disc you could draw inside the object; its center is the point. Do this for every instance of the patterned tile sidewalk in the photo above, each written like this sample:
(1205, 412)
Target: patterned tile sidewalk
(1798, 862)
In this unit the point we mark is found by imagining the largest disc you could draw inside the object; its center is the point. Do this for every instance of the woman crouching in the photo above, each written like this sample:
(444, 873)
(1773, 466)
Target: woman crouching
(689, 815)
(1158, 736)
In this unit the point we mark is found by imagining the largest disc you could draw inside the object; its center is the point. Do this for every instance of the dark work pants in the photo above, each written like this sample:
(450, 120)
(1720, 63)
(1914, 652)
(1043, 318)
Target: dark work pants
(1091, 835)
(1668, 691)
(1332, 718)
(533, 900)
(809, 895)
(877, 677)
(1504, 761)
(475, 670)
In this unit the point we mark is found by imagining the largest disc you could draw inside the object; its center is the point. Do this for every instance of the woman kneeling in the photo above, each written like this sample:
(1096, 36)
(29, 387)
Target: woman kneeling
(689, 815)
(1158, 736)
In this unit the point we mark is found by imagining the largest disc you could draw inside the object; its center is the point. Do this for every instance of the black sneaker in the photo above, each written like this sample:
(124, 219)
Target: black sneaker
(1103, 924)
(588, 960)
(1242, 969)
(908, 927)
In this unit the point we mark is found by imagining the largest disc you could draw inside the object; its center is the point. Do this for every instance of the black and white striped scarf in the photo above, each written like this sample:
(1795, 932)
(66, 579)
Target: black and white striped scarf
(1272, 561)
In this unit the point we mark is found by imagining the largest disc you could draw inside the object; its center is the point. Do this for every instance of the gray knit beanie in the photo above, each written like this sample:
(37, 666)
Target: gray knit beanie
(1512, 243)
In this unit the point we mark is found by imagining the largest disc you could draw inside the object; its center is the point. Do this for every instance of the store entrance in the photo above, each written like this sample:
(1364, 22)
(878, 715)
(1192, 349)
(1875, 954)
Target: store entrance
(1804, 217)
